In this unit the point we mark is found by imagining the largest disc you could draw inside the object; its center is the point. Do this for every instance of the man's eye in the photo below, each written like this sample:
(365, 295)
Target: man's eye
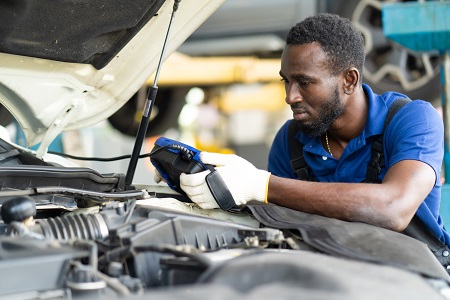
(284, 80)
(304, 83)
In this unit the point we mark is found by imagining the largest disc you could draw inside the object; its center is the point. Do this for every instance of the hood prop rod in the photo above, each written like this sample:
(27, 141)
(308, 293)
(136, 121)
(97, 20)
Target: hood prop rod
(151, 96)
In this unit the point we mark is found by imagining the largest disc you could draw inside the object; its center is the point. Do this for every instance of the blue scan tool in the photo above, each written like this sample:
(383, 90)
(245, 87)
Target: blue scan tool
(171, 158)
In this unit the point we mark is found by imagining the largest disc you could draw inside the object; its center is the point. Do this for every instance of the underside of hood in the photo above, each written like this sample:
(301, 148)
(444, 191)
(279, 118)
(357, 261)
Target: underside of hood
(70, 64)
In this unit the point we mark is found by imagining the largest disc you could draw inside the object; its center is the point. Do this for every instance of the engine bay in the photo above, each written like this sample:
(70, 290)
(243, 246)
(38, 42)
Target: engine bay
(129, 247)
(118, 246)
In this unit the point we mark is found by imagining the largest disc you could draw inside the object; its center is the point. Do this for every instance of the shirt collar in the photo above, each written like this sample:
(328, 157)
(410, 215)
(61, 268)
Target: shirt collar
(376, 113)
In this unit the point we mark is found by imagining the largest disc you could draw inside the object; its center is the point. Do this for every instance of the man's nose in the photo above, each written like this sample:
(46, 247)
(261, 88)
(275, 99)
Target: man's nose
(292, 95)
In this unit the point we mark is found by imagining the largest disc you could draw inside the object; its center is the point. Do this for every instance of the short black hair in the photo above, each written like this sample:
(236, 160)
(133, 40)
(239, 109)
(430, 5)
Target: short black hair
(338, 37)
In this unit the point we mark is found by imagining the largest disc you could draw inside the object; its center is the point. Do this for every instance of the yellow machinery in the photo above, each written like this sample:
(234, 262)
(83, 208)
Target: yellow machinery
(223, 74)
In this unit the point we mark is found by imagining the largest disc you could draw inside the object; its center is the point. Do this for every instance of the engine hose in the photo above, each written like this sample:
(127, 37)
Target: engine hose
(76, 226)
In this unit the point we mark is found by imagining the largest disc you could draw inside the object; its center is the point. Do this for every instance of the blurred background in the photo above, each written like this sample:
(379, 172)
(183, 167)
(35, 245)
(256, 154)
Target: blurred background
(221, 90)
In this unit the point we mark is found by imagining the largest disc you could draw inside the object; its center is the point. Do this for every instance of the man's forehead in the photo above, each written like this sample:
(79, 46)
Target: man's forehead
(303, 58)
(305, 51)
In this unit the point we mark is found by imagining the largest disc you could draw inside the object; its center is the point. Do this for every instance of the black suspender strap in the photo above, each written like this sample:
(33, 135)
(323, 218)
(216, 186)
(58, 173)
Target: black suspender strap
(376, 162)
(298, 163)
(418, 230)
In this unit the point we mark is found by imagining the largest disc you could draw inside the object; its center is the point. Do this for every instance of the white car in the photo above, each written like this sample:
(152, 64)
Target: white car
(69, 232)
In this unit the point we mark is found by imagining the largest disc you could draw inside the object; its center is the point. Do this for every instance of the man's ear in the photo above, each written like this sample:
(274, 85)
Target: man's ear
(351, 79)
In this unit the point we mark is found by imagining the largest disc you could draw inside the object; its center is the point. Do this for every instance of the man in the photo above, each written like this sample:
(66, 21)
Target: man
(338, 117)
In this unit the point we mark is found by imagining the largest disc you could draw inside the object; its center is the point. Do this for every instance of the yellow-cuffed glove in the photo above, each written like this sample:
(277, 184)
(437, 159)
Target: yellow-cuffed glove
(244, 181)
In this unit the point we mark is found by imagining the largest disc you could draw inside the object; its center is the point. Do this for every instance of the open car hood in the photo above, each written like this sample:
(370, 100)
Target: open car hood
(70, 64)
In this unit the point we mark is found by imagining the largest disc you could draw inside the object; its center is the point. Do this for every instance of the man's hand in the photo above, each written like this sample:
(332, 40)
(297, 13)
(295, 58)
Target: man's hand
(244, 181)
(157, 177)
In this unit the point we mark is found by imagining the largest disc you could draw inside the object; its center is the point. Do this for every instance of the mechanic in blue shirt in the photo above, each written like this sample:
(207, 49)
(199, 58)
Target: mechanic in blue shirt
(338, 116)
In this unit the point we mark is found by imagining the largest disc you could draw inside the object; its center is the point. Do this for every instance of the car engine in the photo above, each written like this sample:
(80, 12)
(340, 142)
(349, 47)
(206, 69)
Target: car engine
(119, 247)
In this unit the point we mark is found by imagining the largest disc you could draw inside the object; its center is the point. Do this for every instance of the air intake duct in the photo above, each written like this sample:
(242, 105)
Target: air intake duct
(75, 226)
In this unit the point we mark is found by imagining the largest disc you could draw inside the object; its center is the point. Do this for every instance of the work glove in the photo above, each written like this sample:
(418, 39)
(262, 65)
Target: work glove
(238, 176)
(157, 177)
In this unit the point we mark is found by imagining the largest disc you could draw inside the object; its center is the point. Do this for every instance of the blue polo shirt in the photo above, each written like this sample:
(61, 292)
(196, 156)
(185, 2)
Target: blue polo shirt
(415, 133)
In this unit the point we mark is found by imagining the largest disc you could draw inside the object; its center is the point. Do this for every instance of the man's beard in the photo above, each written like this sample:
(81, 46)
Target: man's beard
(328, 112)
